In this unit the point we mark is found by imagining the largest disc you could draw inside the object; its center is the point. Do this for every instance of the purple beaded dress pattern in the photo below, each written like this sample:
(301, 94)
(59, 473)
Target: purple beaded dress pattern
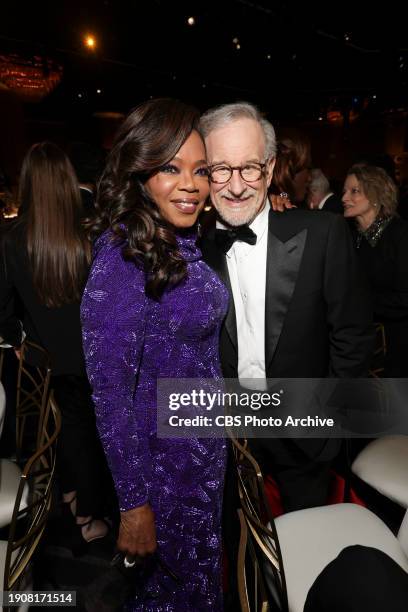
(130, 341)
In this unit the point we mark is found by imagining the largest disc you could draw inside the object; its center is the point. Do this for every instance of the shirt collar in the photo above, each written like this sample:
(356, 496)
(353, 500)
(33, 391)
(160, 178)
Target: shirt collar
(323, 202)
(86, 189)
(260, 223)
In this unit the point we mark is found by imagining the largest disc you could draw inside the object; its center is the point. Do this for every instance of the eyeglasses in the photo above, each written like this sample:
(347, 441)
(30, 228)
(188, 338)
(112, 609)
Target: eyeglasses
(249, 173)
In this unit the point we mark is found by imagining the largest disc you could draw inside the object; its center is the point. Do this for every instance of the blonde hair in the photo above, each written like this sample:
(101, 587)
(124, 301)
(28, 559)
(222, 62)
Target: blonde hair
(378, 187)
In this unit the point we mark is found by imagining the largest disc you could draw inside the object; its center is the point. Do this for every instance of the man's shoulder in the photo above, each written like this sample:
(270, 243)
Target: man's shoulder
(334, 204)
(283, 224)
(398, 229)
(12, 233)
(295, 220)
(206, 231)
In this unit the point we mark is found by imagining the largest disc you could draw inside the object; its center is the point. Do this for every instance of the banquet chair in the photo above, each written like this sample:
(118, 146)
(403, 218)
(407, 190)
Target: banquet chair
(1, 361)
(2, 407)
(383, 464)
(33, 382)
(254, 588)
(259, 537)
(28, 524)
(32, 395)
(294, 548)
(241, 571)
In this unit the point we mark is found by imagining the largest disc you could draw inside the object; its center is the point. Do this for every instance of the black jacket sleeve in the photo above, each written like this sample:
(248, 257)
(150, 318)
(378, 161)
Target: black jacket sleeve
(10, 325)
(393, 303)
(349, 308)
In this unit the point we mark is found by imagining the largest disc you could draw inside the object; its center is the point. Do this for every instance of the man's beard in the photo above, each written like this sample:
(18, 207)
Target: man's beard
(235, 218)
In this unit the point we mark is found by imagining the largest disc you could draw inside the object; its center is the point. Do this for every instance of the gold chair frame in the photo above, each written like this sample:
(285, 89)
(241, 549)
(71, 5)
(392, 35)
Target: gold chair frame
(258, 534)
(33, 384)
(27, 525)
(260, 596)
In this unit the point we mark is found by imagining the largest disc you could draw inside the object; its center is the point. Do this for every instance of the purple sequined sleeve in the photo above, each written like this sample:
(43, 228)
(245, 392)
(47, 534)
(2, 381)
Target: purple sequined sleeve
(113, 319)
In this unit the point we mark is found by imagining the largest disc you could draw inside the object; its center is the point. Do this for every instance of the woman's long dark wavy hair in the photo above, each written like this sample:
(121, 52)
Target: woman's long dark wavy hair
(51, 209)
(149, 138)
(292, 157)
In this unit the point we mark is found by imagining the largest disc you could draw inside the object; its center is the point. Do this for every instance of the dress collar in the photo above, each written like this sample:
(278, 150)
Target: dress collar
(187, 243)
(374, 232)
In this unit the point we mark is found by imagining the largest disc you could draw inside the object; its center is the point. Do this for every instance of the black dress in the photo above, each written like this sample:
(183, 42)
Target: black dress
(386, 265)
(81, 464)
(58, 330)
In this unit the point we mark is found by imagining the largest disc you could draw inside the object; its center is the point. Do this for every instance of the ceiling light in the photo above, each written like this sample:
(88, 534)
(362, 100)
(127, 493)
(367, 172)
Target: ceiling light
(90, 42)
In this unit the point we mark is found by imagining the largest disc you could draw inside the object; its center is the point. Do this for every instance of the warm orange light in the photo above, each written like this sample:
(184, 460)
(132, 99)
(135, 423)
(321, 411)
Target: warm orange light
(334, 116)
(31, 78)
(90, 42)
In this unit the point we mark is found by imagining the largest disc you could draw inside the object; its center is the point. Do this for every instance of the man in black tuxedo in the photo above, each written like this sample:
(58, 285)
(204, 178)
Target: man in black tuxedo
(298, 307)
(320, 196)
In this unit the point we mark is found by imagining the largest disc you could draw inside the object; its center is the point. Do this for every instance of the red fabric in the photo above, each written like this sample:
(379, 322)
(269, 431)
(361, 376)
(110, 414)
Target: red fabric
(336, 494)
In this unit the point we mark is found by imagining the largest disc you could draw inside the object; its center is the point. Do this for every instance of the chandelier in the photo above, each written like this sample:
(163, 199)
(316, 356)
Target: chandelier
(31, 79)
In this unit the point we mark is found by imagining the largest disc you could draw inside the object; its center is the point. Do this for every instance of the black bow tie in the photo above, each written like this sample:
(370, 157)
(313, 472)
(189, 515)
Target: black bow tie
(226, 238)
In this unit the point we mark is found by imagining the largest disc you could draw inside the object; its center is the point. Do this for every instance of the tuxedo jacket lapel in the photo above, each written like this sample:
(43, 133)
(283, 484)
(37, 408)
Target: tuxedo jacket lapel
(284, 256)
(282, 267)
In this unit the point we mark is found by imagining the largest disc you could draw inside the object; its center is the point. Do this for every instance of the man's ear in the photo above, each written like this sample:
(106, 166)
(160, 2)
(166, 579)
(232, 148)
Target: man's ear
(270, 164)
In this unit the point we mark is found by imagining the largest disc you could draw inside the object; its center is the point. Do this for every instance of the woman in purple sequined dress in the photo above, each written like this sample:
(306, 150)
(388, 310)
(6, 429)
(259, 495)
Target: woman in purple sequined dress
(153, 309)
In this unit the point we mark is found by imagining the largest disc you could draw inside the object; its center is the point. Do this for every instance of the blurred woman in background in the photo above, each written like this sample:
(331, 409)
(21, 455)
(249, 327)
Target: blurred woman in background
(292, 172)
(45, 259)
(370, 198)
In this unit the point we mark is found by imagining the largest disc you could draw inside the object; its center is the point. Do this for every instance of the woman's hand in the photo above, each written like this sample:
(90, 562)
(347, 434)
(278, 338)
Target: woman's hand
(280, 203)
(137, 532)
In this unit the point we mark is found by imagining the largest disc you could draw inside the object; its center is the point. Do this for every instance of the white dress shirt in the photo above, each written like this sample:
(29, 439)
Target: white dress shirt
(247, 272)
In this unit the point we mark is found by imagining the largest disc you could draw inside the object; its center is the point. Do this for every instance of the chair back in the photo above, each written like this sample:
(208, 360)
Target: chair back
(33, 383)
(262, 538)
(28, 524)
(1, 362)
(252, 590)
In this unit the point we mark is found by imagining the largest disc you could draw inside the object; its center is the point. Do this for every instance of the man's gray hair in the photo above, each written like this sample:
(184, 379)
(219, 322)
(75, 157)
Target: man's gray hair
(319, 182)
(220, 116)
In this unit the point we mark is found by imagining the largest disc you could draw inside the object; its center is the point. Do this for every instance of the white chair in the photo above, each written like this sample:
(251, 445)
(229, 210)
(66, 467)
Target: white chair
(32, 395)
(27, 525)
(10, 475)
(310, 539)
(293, 549)
(383, 464)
